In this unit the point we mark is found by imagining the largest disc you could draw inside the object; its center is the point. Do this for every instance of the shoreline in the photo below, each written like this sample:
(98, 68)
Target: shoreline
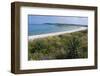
(54, 34)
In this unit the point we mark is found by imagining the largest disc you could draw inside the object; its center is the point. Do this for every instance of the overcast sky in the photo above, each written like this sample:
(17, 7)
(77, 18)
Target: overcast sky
(40, 19)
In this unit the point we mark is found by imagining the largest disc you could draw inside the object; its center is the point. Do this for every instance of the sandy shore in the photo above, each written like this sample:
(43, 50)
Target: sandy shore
(57, 33)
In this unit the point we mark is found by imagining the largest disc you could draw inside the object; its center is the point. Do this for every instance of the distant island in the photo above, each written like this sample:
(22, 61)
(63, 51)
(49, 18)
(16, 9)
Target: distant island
(60, 24)
(65, 24)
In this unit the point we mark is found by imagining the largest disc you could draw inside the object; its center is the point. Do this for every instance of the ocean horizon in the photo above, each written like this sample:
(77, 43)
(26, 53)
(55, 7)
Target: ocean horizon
(41, 24)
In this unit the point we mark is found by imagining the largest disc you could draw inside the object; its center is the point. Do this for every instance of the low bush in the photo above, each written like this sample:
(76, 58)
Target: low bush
(65, 46)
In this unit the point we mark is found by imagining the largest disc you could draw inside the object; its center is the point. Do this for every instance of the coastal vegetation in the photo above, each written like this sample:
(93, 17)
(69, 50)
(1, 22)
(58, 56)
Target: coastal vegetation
(64, 46)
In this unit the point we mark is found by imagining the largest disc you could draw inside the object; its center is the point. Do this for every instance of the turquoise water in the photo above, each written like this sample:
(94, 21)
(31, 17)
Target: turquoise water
(37, 29)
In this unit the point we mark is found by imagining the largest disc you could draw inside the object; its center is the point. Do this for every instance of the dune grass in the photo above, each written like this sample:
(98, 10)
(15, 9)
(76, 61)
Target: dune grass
(65, 46)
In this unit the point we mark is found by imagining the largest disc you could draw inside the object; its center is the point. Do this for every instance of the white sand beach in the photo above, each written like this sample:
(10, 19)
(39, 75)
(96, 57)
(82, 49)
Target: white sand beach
(57, 33)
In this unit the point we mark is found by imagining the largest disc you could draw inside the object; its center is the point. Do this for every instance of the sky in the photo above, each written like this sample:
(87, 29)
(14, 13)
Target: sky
(40, 19)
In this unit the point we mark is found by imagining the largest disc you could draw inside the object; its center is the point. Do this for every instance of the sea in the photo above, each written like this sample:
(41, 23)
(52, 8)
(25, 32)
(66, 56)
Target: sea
(39, 29)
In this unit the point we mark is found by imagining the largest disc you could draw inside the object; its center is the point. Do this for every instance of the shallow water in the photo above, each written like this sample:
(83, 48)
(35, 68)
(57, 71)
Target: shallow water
(37, 29)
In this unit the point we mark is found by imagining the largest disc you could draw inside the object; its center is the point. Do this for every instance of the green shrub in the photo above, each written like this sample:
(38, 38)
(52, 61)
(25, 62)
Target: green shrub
(65, 46)
(74, 46)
